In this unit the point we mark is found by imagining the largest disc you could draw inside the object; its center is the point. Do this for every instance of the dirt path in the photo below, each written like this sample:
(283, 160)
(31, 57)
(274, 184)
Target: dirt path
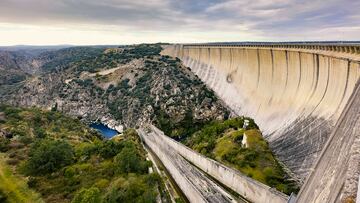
(104, 72)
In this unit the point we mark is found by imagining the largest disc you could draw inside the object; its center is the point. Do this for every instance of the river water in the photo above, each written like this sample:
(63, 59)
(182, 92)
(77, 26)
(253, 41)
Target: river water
(104, 130)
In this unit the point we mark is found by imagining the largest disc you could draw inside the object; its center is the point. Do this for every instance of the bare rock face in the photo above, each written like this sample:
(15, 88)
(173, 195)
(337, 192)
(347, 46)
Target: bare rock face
(10, 70)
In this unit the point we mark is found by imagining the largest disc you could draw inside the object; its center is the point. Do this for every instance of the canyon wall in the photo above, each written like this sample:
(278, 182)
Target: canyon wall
(295, 95)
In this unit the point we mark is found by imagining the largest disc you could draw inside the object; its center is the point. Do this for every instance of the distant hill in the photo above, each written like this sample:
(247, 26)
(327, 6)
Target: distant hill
(31, 47)
(19, 62)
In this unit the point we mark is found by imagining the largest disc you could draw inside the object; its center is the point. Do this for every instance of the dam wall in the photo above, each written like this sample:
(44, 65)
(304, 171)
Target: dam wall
(248, 188)
(336, 174)
(295, 93)
(186, 187)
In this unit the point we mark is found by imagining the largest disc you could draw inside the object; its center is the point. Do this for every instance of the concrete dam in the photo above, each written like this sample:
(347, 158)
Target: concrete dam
(298, 93)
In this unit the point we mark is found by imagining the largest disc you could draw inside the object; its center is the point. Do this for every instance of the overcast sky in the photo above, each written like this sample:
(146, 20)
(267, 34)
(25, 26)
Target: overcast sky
(85, 22)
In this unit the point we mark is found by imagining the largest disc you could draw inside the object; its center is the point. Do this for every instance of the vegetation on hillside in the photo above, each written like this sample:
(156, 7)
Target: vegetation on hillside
(13, 67)
(65, 161)
(145, 87)
(65, 58)
(11, 77)
(164, 89)
(111, 58)
(243, 149)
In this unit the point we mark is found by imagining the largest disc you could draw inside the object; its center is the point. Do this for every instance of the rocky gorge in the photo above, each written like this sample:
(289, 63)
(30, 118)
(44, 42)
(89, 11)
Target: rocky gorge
(120, 87)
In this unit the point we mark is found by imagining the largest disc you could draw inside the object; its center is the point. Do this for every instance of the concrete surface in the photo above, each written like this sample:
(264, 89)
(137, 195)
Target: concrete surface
(296, 95)
(194, 183)
(335, 176)
(248, 188)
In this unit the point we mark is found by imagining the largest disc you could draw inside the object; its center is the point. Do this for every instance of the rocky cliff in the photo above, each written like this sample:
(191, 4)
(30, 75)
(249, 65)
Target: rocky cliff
(121, 86)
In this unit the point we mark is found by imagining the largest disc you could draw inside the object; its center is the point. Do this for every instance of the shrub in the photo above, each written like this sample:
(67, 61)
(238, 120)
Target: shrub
(152, 179)
(250, 156)
(12, 112)
(69, 172)
(109, 149)
(133, 190)
(129, 161)
(4, 144)
(85, 150)
(25, 140)
(131, 134)
(91, 195)
(178, 200)
(124, 84)
(102, 183)
(40, 132)
(47, 156)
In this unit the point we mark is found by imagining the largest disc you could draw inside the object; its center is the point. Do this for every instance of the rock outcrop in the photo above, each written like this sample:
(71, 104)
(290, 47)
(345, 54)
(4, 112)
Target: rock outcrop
(120, 88)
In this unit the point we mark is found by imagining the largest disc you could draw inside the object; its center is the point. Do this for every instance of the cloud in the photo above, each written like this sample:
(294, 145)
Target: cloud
(211, 20)
(109, 12)
(288, 17)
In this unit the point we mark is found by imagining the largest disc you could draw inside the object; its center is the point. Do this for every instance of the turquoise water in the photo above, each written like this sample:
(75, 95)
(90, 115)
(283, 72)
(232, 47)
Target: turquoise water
(104, 130)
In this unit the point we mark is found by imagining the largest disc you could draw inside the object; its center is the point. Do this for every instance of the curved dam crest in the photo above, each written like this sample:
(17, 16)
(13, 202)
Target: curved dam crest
(295, 96)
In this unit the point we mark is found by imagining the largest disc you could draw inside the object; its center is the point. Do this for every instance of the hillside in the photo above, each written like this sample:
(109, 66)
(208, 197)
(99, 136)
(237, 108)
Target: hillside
(48, 157)
(240, 145)
(125, 86)
(19, 63)
(11, 72)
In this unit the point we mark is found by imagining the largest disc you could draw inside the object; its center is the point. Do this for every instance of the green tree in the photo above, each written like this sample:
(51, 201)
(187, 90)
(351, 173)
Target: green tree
(4, 144)
(109, 149)
(40, 132)
(91, 195)
(129, 161)
(47, 156)
(132, 191)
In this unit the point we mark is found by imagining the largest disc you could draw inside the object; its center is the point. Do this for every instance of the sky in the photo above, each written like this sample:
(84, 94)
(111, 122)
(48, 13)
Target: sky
(91, 22)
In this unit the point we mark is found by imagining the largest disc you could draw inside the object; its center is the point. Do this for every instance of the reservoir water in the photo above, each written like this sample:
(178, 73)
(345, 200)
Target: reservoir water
(104, 130)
